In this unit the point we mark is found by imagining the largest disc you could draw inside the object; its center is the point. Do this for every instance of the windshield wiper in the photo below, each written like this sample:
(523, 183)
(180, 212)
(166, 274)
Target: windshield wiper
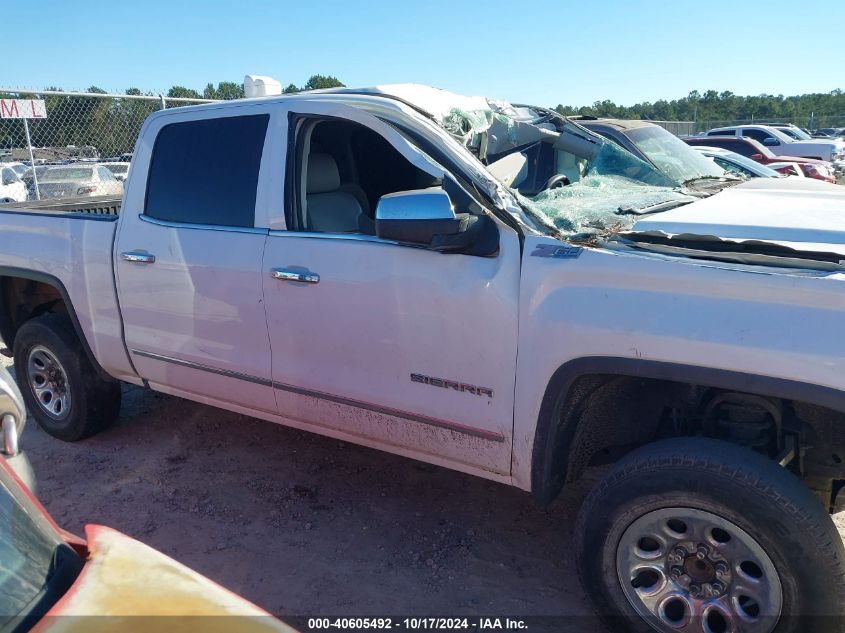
(697, 179)
(652, 208)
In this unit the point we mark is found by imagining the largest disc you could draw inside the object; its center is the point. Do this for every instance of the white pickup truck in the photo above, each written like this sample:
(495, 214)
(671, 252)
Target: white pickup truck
(490, 288)
(784, 144)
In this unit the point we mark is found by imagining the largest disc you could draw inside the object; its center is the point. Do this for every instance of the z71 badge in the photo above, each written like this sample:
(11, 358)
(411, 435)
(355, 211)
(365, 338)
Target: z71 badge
(556, 251)
(451, 384)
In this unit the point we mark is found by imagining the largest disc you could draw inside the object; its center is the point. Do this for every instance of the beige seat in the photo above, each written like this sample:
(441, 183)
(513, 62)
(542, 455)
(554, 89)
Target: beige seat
(328, 208)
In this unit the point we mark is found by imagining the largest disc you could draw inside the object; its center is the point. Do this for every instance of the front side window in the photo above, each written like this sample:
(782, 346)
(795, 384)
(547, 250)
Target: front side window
(206, 171)
(345, 169)
(758, 135)
(740, 147)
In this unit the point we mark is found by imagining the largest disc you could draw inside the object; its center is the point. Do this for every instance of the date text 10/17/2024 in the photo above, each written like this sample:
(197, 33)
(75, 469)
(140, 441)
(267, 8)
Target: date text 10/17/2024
(417, 624)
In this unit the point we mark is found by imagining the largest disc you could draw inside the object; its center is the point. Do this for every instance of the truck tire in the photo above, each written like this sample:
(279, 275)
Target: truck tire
(698, 534)
(62, 389)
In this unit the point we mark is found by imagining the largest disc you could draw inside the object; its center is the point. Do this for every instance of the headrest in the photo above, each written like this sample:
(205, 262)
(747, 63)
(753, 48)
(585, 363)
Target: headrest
(322, 174)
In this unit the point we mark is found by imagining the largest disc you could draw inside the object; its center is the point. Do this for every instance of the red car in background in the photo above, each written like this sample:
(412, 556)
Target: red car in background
(47, 574)
(811, 167)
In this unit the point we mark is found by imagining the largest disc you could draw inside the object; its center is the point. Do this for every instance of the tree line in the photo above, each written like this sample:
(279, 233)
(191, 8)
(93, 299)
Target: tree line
(232, 90)
(111, 125)
(711, 105)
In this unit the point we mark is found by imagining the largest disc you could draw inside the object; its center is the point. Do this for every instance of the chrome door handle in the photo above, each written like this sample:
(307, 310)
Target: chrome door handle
(138, 257)
(290, 275)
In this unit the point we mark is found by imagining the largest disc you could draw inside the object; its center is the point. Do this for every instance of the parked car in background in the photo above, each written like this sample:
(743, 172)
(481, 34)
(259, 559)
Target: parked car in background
(29, 176)
(811, 167)
(77, 180)
(736, 163)
(12, 188)
(655, 145)
(119, 170)
(19, 168)
(792, 131)
(782, 144)
(49, 572)
(829, 132)
(787, 169)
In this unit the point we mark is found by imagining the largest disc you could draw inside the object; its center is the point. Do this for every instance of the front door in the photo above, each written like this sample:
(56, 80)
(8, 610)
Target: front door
(392, 346)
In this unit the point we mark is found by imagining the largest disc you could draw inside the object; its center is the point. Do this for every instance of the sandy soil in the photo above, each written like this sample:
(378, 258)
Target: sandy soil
(302, 524)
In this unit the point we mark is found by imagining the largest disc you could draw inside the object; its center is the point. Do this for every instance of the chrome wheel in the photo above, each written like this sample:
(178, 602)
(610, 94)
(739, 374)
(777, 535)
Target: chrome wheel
(49, 383)
(689, 570)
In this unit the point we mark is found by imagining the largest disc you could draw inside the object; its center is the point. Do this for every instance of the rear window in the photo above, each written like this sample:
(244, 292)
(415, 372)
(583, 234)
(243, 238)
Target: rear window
(67, 173)
(206, 172)
(733, 144)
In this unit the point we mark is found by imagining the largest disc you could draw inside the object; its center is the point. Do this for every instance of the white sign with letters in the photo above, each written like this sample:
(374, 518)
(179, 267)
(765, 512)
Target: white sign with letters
(22, 109)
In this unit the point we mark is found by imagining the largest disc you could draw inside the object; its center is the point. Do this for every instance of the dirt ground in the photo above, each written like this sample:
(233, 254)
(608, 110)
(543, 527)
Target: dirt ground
(302, 524)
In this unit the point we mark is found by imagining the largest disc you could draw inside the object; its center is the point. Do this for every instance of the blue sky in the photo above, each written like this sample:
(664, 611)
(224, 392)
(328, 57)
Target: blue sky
(541, 52)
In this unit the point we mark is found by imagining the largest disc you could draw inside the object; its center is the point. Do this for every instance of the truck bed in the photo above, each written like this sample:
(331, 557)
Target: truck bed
(67, 244)
(96, 205)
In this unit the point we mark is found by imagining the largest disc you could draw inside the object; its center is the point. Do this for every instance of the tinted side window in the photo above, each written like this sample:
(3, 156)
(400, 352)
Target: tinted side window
(757, 135)
(729, 166)
(206, 172)
(722, 133)
(745, 149)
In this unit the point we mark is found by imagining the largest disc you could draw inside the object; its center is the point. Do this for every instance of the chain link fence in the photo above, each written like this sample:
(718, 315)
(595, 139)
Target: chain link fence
(79, 125)
(678, 128)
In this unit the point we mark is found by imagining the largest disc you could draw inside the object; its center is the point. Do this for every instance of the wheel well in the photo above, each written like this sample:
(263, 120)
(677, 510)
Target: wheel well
(590, 418)
(25, 295)
(23, 299)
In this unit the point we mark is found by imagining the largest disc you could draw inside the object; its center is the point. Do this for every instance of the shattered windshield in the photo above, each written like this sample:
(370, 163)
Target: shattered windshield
(555, 176)
(614, 187)
(571, 181)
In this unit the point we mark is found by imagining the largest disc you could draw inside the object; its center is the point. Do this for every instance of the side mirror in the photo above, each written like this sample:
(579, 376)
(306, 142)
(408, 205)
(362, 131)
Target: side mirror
(770, 141)
(757, 157)
(12, 413)
(12, 420)
(418, 216)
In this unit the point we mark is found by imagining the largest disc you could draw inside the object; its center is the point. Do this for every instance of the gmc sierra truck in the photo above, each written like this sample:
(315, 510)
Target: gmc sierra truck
(489, 287)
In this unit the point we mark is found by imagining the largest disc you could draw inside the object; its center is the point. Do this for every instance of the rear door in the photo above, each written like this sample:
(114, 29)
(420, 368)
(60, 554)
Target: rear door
(188, 257)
